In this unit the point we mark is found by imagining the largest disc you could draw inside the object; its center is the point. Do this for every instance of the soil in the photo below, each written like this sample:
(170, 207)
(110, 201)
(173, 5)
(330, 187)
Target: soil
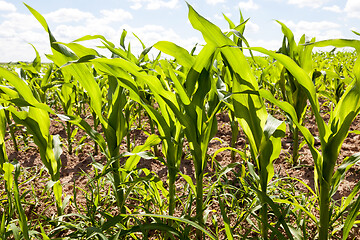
(80, 162)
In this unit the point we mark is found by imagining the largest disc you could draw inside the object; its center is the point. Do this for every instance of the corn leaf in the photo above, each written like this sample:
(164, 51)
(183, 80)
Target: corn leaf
(181, 55)
(133, 160)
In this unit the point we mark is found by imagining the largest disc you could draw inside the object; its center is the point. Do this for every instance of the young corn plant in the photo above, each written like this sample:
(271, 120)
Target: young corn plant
(263, 131)
(290, 88)
(39, 78)
(196, 108)
(66, 95)
(237, 32)
(113, 125)
(170, 131)
(182, 105)
(113, 122)
(187, 104)
(35, 117)
(11, 175)
(331, 135)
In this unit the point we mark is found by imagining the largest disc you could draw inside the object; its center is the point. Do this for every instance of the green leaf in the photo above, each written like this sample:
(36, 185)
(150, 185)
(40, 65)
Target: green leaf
(228, 230)
(133, 160)
(290, 111)
(178, 219)
(290, 36)
(3, 154)
(78, 121)
(43, 22)
(272, 124)
(341, 171)
(37, 61)
(189, 181)
(43, 234)
(178, 86)
(122, 38)
(58, 193)
(276, 211)
(37, 122)
(339, 43)
(307, 84)
(181, 55)
(153, 226)
(231, 24)
(8, 169)
(81, 72)
(93, 37)
(23, 89)
(350, 219)
(211, 33)
(2, 226)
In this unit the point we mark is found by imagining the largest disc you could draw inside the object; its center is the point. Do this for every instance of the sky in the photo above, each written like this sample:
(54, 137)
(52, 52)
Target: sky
(167, 20)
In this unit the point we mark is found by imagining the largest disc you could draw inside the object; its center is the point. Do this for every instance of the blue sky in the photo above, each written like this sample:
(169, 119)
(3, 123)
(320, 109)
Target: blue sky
(155, 20)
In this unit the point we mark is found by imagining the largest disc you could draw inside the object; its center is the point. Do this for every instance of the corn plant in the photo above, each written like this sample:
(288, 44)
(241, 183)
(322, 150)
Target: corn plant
(66, 95)
(180, 106)
(170, 130)
(114, 128)
(290, 88)
(197, 119)
(12, 189)
(262, 130)
(237, 32)
(35, 117)
(38, 77)
(331, 134)
(113, 124)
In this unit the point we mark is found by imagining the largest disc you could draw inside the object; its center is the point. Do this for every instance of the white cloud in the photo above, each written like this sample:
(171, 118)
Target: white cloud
(115, 15)
(225, 7)
(20, 29)
(19, 22)
(307, 3)
(321, 30)
(354, 29)
(221, 17)
(352, 8)
(8, 7)
(333, 8)
(271, 45)
(244, 6)
(136, 6)
(14, 43)
(20, 50)
(251, 27)
(214, 2)
(150, 34)
(71, 15)
(154, 4)
(16, 32)
(64, 15)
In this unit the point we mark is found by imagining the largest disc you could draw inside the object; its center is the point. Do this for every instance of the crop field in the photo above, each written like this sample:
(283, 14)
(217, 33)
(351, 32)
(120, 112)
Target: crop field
(207, 144)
